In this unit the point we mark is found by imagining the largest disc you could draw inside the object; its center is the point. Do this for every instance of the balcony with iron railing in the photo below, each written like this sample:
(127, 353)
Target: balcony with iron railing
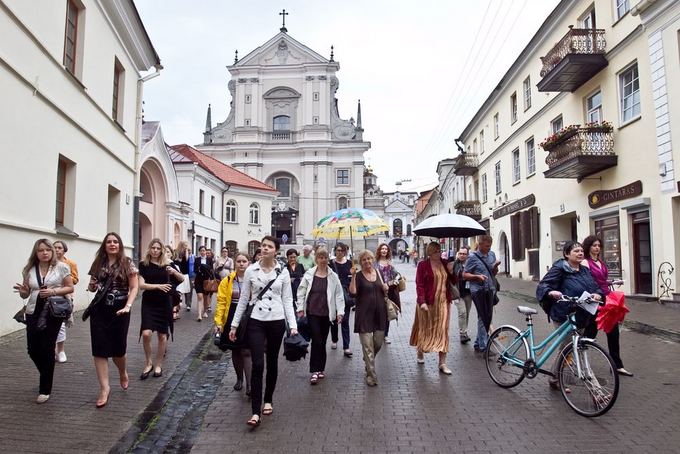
(578, 152)
(471, 208)
(466, 164)
(574, 60)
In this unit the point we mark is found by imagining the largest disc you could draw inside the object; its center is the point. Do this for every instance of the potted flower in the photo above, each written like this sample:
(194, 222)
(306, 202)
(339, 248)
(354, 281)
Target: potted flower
(560, 136)
(603, 126)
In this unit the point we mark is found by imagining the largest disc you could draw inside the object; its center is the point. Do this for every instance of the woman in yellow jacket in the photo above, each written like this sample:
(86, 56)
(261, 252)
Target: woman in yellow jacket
(228, 291)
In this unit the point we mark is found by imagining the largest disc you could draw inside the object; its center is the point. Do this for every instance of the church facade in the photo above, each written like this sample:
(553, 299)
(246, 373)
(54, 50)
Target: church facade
(284, 128)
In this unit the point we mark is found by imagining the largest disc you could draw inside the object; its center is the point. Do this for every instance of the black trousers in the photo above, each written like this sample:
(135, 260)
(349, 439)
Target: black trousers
(318, 327)
(261, 334)
(41, 344)
(613, 344)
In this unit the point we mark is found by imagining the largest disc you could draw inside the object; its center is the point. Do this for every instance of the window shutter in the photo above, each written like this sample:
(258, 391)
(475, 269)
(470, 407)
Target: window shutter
(515, 236)
(535, 242)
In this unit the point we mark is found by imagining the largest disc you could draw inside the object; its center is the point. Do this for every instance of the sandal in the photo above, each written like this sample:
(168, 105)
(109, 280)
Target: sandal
(267, 409)
(314, 378)
(254, 421)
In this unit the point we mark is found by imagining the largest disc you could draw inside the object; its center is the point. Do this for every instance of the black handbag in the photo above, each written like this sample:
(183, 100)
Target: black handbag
(242, 330)
(57, 306)
(20, 316)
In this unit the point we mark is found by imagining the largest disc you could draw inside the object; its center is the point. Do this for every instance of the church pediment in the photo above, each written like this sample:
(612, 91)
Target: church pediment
(397, 206)
(281, 50)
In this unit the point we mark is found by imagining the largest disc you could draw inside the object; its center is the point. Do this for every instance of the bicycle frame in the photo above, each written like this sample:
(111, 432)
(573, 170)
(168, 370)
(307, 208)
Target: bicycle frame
(548, 345)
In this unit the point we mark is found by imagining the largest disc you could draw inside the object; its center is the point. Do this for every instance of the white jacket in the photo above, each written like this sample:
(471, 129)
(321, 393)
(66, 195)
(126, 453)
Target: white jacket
(277, 302)
(334, 295)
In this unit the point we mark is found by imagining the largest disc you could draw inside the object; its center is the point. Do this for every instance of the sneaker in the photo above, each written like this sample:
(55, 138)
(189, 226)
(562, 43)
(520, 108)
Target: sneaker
(188, 308)
(464, 338)
(42, 398)
(387, 340)
(334, 345)
(61, 357)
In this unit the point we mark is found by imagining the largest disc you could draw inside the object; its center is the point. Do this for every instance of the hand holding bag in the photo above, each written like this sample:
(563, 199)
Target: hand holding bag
(402, 283)
(57, 306)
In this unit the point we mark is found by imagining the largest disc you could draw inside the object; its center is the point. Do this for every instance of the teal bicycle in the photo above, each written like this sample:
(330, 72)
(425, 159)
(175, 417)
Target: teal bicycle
(585, 372)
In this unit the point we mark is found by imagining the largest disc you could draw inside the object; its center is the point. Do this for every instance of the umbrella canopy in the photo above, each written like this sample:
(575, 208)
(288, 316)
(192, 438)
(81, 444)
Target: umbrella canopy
(350, 223)
(449, 226)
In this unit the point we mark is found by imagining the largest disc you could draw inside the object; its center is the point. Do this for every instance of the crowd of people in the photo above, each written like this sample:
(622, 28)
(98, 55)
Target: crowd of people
(272, 297)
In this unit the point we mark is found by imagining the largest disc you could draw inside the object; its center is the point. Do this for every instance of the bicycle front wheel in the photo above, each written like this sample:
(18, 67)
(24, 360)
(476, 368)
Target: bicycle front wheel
(591, 389)
(505, 355)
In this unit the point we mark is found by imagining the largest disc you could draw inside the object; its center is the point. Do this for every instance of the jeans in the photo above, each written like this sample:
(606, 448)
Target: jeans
(463, 305)
(482, 335)
(318, 326)
(259, 334)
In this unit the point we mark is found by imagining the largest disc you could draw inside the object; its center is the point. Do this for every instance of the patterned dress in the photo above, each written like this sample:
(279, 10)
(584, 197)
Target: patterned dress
(430, 331)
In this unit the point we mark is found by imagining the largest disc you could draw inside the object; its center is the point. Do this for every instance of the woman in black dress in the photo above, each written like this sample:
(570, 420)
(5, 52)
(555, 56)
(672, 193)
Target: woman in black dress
(115, 274)
(370, 318)
(203, 267)
(156, 278)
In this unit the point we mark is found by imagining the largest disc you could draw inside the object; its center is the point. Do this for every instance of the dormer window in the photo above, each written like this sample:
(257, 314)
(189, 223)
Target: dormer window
(282, 123)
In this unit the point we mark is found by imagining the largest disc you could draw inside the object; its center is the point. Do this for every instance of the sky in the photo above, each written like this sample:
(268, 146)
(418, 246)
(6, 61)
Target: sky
(421, 69)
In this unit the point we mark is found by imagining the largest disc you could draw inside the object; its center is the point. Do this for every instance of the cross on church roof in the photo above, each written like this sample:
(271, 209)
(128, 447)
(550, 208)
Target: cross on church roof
(284, 14)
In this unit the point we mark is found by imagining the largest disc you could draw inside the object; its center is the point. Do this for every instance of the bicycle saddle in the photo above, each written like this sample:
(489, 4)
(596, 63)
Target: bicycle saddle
(526, 310)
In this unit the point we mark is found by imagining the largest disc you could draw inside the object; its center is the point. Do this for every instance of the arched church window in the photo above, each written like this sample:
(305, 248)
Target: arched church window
(408, 229)
(254, 213)
(282, 123)
(230, 211)
(397, 228)
(282, 184)
(343, 202)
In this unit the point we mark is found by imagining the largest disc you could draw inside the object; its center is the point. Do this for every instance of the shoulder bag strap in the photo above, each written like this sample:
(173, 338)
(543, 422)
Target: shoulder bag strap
(38, 276)
(481, 259)
(268, 286)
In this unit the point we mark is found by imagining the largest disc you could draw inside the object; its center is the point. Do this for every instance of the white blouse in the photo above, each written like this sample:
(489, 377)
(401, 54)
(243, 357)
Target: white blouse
(53, 279)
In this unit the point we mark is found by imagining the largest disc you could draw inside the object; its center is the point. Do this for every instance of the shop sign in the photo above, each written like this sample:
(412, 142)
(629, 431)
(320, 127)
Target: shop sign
(517, 205)
(485, 223)
(597, 199)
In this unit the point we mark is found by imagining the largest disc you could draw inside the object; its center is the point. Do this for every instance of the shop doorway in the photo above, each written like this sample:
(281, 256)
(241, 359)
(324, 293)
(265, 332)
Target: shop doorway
(642, 253)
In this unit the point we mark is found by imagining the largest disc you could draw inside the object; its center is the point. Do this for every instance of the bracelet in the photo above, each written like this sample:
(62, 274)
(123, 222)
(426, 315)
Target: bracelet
(129, 306)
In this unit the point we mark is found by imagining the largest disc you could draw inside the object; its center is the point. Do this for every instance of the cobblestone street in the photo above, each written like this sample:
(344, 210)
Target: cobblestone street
(414, 408)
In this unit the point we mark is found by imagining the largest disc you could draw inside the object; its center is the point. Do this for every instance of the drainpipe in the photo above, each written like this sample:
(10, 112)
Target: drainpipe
(138, 155)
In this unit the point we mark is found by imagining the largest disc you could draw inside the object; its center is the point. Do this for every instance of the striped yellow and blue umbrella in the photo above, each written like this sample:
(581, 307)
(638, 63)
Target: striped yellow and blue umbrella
(350, 223)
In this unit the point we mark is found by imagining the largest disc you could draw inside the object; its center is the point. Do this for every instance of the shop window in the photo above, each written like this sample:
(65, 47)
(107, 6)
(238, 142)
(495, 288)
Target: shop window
(608, 230)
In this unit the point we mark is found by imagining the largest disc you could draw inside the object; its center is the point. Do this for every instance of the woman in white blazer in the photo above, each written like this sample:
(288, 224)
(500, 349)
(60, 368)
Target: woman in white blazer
(321, 299)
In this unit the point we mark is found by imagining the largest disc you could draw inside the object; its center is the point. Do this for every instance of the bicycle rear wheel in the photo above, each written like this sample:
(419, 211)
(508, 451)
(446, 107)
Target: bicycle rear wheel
(594, 392)
(506, 345)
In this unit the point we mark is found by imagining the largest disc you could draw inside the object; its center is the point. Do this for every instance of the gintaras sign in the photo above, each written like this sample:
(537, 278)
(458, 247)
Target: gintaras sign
(597, 199)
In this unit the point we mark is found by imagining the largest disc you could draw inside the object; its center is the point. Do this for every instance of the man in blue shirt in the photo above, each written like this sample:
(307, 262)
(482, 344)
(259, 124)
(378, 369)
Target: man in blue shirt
(480, 270)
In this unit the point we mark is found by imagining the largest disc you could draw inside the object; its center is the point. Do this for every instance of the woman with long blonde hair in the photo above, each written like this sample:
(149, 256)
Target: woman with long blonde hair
(156, 277)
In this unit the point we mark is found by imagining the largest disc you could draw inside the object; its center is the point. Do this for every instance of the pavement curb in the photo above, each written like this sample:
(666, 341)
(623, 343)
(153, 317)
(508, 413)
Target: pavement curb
(633, 325)
(146, 419)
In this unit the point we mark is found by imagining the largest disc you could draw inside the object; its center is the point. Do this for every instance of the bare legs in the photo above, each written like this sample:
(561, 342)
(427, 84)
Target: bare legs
(199, 300)
(101, 366)
(147, 334)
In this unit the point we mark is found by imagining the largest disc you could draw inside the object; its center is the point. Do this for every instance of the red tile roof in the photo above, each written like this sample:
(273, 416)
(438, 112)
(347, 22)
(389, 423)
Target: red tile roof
(229, 175)
(422, 201)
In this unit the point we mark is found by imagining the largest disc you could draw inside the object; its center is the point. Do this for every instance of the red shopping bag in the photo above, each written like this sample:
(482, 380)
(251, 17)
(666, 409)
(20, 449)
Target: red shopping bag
(613, 312)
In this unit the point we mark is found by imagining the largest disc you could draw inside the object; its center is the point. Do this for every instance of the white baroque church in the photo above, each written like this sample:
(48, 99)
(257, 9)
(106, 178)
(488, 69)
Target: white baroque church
(284, 128)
